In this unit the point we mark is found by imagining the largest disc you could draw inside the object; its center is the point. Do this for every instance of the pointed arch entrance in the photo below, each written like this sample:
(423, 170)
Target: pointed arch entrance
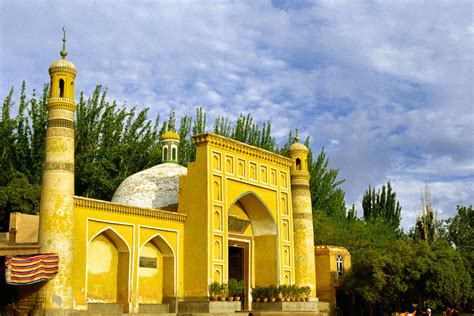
(252, 241)
(157, 271)
(108, 259)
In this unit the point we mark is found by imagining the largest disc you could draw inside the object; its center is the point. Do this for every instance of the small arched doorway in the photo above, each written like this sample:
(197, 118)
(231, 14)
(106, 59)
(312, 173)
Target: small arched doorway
(108, 269)
(156, 272)
(253, 243)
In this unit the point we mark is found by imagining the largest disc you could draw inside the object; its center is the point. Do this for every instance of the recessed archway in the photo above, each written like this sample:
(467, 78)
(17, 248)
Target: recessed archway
(108, 268)
(263, 235)
(156, 272)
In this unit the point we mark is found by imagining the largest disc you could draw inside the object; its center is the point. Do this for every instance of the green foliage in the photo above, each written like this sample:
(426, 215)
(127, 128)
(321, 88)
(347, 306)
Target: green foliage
(326, 194)
(236, 288)
(112, 142)
(427, 228)
(215, 288)
(460, 233)
(247, 131)
(21, 153)
(18, 196)
(382, 204)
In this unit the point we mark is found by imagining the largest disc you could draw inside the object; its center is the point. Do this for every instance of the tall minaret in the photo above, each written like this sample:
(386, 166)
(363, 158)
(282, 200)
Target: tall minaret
(302, 217)
(57, 189)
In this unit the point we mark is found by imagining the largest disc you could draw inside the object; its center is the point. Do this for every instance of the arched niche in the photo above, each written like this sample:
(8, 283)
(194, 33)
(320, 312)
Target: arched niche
(108, 268)
(156, 271)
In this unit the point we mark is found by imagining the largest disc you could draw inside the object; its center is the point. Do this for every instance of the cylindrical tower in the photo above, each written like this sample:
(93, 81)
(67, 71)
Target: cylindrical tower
(305, 273)
(57, 189)
(169, 147)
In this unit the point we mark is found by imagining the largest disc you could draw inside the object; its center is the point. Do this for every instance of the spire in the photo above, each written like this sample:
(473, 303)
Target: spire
(297, 139)
(64, 51)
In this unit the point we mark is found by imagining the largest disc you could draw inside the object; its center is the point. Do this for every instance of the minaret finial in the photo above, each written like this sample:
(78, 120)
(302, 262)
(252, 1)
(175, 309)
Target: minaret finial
(64, 51)
(297, 139)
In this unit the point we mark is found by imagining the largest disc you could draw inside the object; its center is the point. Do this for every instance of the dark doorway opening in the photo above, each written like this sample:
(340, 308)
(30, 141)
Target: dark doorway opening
(238, 267)
(236, 263)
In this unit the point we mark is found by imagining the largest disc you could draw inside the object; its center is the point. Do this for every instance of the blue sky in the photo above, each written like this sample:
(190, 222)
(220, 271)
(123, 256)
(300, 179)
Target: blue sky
(384, 86)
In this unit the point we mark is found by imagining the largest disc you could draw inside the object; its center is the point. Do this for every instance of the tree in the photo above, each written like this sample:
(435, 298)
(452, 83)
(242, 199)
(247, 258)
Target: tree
(112, 142)
(460, 233)
(21, 154)
(326, 195)
(382, 204)
(426, 227)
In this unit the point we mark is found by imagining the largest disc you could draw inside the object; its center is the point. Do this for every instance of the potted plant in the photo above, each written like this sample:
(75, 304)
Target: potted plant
(272, 293)
(291, 293)
(283, 289)
(223, 293)
(214, 290)
(256, 294)
(233, 287)
(307, 293)
(264, 294)
(298, 293)
(239, 290)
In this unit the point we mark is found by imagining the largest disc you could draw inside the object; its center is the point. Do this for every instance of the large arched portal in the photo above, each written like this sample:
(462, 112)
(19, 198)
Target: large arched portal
(108, 269)
(253, 242)
(156, 274)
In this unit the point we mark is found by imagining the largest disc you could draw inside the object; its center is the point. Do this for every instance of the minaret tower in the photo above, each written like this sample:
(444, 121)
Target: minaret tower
(169, 147)
(305, 272)
(57, 189)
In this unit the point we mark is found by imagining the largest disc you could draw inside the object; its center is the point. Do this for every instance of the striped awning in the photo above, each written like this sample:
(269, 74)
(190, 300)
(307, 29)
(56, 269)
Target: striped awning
(29, 269)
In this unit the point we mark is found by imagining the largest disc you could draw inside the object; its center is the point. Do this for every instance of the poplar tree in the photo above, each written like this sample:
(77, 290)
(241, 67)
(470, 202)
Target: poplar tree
(382, 204)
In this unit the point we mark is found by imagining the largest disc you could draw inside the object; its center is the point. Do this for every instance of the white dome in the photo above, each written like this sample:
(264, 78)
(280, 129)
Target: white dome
(156, 187)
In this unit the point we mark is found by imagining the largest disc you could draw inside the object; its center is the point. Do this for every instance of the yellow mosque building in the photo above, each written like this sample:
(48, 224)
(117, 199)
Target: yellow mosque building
(236, 212)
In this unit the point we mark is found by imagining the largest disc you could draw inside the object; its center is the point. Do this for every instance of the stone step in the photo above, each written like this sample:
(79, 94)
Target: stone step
(154, 308)
(151, 314)
(212, 314)
(198, 308)
(284, 313)
(104, 308)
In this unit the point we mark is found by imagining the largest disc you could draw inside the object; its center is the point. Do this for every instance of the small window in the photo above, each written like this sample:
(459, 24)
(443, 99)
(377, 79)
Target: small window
(340, 266)
(165, 153)
(298, 164)
(173, 154)
(61, 88)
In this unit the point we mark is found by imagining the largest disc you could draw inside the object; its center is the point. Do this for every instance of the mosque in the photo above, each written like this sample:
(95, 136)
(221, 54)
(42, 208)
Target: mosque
(236, 212)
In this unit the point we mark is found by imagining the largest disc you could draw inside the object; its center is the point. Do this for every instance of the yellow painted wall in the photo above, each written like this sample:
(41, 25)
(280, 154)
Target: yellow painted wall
(327, 278)
(128, 229)
(227, 172)
(150, 284)
(102, 266)
(193, 198)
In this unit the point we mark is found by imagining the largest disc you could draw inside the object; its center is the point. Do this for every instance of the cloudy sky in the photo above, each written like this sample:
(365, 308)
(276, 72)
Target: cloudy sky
(386, 87)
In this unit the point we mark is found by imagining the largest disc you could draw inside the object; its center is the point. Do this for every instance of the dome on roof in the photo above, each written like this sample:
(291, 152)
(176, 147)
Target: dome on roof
(62, 65)
(156, 187)
(297, 147)
(170, 134)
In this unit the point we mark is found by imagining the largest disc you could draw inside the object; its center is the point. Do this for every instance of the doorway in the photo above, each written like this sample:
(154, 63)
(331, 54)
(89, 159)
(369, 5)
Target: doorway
(238, 266)
(236, 263)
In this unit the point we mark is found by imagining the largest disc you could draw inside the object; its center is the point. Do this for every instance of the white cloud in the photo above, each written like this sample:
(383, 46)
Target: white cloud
(385, 87)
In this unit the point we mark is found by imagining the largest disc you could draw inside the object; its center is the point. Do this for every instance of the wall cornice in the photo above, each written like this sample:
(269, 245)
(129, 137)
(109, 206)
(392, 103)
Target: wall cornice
(241, 148)
(105, 206)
